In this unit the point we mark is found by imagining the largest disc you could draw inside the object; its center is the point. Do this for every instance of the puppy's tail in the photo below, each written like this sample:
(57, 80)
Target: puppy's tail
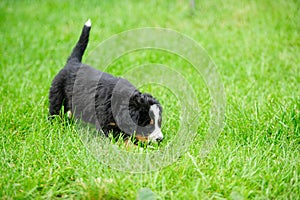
(81, 45)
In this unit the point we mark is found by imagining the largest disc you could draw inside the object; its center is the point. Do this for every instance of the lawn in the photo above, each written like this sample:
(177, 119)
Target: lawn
(255, 46)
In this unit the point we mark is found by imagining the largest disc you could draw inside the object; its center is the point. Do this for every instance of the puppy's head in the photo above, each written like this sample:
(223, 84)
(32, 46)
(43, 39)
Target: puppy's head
(146, 113)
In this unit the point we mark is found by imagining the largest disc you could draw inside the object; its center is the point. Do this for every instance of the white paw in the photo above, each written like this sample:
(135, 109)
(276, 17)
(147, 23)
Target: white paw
(69, 114)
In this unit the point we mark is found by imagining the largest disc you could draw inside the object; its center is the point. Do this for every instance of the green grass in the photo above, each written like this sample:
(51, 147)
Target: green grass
(256, 47)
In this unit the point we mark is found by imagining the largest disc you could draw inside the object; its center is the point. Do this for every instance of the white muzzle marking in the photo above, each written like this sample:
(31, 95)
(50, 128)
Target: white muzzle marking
(156, 134)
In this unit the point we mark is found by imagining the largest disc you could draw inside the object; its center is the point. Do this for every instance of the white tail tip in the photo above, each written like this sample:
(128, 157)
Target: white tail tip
(88, 23)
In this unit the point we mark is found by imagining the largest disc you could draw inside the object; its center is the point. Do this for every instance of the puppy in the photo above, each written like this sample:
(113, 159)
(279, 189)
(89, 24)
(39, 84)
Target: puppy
(110, 103)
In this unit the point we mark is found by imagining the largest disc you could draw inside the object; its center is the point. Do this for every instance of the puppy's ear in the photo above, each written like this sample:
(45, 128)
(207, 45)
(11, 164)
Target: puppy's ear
(140, 100)
(149, 99)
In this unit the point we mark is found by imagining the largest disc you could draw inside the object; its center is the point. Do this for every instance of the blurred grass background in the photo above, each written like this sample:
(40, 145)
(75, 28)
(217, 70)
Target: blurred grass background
(256, 47)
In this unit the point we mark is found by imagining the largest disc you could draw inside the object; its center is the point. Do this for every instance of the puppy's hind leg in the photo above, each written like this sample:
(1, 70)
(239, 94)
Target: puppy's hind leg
(68, 108)
(56, 97)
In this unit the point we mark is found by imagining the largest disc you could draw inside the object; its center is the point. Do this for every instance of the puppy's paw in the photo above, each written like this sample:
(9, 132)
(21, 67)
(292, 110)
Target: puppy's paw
(69, 114)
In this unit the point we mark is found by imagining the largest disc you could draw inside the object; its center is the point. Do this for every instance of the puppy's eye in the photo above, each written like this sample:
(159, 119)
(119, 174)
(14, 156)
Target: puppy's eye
(151, 122)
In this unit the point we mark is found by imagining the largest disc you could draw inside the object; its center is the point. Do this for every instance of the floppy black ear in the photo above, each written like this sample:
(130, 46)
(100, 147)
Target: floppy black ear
(135, 99)
(138, 100)
(149, 99)
(142, 100)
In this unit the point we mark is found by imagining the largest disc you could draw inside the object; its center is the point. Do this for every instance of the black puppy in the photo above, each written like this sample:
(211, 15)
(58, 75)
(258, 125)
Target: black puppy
(111, 103)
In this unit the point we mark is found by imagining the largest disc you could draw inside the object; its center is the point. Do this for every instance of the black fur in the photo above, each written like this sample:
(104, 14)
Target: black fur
(99, 98)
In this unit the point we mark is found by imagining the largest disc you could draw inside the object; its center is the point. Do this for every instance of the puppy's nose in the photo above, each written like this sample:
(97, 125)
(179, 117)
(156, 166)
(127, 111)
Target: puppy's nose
(159, 139)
